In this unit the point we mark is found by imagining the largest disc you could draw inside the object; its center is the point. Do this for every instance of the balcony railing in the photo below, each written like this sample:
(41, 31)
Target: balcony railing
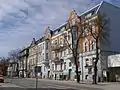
(55, 47)
(58, 60)
(57, 70)
(46, 62)
(59, 47)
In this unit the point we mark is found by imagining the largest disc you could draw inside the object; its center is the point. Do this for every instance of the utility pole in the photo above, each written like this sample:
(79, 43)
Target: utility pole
(36, 71)
(82, 67)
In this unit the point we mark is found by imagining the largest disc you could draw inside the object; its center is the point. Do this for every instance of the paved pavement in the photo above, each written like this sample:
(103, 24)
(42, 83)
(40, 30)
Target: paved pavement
(8, 85)
(29, 84)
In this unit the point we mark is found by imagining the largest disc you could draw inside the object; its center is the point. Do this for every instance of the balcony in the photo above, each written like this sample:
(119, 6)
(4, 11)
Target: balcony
(59, 47)
(46, 62)
(55, 47)
(57, 60)
(57, 70)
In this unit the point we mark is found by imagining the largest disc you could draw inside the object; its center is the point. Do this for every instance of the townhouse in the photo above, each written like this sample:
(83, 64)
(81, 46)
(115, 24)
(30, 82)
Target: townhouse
(39, 57)
(23, 66)
(52, 55)
(32, 58)
(108, 47)
(87, 49)
(43, 57)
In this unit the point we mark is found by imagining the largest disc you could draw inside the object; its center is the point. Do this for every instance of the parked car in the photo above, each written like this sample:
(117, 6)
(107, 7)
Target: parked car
(1, 78)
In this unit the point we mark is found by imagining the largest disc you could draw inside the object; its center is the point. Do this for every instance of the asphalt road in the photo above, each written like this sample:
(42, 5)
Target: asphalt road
(30, 84)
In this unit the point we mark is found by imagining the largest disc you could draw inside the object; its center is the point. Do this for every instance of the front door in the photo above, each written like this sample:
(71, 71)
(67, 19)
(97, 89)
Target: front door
(69, 76)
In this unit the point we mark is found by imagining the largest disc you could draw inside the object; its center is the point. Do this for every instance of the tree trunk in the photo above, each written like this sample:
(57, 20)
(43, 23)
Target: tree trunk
(95, 63)
(77, 73)
(95, 74)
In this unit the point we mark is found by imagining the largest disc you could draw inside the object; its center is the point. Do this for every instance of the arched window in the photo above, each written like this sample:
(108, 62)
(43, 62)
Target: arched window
(86, 46)
(92, 45)
(86, 62)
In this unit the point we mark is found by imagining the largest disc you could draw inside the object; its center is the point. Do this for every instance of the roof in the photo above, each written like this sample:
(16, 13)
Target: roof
(59, 29)
(93, 10)
(40, 40)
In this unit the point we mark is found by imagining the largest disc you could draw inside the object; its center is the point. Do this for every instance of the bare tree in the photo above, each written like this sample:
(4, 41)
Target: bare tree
(76, 32)
(100, 35)
(14, 55)
(4, 65)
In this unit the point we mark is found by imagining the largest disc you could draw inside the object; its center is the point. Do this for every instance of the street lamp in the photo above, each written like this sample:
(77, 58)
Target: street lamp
(36, 69)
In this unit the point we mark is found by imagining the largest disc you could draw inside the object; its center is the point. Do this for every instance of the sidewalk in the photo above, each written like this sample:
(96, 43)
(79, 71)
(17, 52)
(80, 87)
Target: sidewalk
(8, 85)
(104, 86)
(69, 81)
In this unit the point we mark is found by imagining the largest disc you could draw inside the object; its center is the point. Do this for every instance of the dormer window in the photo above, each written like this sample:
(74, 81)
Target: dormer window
(88, 15)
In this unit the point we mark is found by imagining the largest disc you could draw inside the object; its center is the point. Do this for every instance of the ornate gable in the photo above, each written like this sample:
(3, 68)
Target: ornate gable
(47, 33)
(73, 18)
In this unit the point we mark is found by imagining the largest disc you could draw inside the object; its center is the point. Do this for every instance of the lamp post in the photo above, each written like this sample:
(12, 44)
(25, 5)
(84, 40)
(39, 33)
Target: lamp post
(36, 69)
(82, 66)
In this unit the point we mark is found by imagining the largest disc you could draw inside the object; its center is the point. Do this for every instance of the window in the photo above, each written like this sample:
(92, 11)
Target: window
(64, 65)
(52, 66)
(43, 55)
(85, 46)
(61, 66)
(74, 31)
(69, 51)
(70, 64)
(93, 60)
(68, 35)
(86, 76)
(61, 54)
(78, 64)
(55, 66)
(65, 38)
(92, 45)
(86, 62)
(55, 42)
(55, 54)
(90, 70)
(46, 55)
(33, 60)
(46, 45)
(60, 40)
(64, 52)
(88, 15)
(43, 45)
(44, 68)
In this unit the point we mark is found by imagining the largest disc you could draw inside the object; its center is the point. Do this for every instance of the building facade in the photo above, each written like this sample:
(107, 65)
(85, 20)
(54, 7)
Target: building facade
(32, 58)
(23, 62)
(52, 53)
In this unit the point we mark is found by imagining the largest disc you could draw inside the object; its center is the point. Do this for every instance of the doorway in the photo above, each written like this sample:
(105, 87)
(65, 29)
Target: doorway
(69, 74)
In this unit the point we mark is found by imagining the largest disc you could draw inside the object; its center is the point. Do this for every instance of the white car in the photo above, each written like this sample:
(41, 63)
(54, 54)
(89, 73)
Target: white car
(1, 78)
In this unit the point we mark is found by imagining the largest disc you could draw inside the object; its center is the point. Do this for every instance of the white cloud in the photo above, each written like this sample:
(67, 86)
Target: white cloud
(21, 20)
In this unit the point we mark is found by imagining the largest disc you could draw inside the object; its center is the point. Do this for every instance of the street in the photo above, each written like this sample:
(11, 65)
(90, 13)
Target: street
(49, 85)
(29, 84)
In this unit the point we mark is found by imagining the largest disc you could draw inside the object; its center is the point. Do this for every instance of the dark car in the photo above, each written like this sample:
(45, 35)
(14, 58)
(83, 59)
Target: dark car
(1, 78)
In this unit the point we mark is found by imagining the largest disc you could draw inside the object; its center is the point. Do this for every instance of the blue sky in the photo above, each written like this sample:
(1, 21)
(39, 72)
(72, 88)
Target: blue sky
(21, 20)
